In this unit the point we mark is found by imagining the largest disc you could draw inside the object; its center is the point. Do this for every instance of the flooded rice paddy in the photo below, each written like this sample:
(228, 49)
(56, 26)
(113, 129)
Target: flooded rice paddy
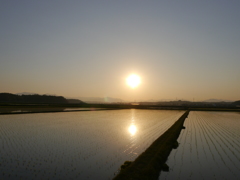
(209, 148)
(77, 145)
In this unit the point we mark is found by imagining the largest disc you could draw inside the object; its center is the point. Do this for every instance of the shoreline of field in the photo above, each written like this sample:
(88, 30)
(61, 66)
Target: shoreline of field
(30, 109)
(149, 164)
(53, 111)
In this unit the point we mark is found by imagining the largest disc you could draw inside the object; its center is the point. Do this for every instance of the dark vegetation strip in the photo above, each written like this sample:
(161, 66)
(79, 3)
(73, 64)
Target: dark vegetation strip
(46, 108)
(53, 111)
(120, 106)
(216, 109)
(150, 163)
(30, 109)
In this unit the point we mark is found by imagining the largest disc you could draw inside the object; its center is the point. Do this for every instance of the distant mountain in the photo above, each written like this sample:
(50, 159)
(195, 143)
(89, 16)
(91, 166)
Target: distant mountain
(217, 100)
(31, 99)
(164, 100)
(157, 100)
(26, 93)
(29, 93)
(236, 103)
(75, 101)
(99, 99)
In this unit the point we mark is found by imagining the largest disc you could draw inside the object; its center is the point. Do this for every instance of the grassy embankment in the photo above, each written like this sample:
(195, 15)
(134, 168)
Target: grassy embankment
(150, 163)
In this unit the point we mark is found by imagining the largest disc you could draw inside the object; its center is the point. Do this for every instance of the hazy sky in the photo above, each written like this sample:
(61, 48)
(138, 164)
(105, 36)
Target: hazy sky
(182, 49)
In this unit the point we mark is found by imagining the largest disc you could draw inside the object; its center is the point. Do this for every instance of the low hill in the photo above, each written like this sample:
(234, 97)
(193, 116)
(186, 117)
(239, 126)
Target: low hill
(217, 100)
(100, 99)
(75, 101)
(32, 99)
(236, 103)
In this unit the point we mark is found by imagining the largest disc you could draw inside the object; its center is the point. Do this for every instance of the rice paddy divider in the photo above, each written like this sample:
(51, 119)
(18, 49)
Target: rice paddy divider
(149, 164)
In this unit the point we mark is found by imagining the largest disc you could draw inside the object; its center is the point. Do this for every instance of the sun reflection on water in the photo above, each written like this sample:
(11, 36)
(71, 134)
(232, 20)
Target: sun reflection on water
(132, 129)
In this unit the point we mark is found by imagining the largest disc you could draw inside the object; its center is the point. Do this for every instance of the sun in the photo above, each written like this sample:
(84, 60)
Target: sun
(133, 80)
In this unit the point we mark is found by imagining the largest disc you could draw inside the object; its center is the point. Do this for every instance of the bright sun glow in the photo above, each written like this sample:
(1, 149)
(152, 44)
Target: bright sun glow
(133, 80)
(132, 129)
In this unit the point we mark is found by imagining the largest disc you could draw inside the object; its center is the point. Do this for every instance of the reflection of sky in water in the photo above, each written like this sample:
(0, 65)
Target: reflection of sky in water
(209, 148)
(74, 145)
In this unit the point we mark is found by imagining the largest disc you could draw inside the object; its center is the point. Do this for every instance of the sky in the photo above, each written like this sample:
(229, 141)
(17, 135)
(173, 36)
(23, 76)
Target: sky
(187, 50)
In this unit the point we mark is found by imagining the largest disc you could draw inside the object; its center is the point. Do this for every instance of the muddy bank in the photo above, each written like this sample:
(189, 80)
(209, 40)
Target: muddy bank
(150, 163)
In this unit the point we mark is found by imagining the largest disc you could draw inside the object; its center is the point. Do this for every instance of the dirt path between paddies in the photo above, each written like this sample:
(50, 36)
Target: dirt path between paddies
(149, 164)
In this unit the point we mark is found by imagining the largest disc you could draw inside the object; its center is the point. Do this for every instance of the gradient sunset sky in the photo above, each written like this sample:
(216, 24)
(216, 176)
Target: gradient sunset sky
(180, 48)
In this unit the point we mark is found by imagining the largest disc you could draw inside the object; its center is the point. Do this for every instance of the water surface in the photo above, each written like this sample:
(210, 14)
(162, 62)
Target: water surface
(77, 145)
(209, 148)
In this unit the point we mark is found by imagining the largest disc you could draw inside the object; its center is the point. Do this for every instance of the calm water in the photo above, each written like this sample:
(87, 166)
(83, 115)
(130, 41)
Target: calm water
(209, 148)
(77, 145)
